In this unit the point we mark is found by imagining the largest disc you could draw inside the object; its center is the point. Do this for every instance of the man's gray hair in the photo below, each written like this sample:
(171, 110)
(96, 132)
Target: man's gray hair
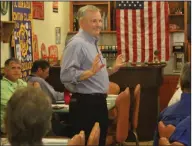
(82, 11)
(185, 77)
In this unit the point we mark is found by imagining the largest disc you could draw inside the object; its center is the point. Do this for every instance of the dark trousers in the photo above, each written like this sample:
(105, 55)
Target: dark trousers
(85, 110)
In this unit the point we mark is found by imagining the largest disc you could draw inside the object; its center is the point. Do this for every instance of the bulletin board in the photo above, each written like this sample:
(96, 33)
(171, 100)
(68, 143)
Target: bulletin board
(22, 34)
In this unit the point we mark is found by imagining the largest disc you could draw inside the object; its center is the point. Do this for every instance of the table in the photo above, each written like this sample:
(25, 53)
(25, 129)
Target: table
(46, 141)
(63, 108)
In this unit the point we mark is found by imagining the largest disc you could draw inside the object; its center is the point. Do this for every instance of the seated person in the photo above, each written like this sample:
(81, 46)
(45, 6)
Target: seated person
(39, 72)
(28, 119)
(9, 83)
(179, 135)
(180, 110)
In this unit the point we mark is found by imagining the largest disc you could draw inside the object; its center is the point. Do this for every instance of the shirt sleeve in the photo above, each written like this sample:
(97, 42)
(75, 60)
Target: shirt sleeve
(6, 93)
(73, 57)
(182, 133)
(47, 88)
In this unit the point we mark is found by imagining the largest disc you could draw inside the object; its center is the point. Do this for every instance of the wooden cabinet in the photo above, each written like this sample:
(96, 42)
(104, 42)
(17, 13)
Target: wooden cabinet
(167, 89)
(178, 20)
(178, 16)
(106, 8)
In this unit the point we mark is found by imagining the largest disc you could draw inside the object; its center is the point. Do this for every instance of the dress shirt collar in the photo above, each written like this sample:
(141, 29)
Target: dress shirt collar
(12, 83)
(87, 36)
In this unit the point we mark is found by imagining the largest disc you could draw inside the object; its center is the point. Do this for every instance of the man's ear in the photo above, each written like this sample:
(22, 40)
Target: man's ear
(6, 70)
(82, 22)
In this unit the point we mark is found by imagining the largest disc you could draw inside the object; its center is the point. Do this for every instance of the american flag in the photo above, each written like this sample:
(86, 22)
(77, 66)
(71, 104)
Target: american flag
(142, 28)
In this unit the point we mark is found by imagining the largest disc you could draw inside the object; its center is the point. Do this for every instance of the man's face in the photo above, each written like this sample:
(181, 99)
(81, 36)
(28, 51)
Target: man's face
(13, 71)
(92, 23)
(43, 73)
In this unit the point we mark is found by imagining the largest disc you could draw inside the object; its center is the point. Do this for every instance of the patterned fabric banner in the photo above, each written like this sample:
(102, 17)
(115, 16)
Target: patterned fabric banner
(22, 35)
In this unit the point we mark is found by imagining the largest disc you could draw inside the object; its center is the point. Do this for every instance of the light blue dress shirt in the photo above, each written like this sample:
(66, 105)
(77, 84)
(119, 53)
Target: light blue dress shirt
(79, 55)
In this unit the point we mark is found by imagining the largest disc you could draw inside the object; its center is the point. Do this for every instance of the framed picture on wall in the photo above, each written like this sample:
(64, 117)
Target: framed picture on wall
(58, 35)
(38, 10)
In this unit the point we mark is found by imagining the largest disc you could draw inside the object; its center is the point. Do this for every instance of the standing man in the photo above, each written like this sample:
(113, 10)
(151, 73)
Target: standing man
(84, 73)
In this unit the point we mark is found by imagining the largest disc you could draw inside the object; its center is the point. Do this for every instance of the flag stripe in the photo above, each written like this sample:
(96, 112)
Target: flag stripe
(126, 35)
(142, 36)
(138, 27)
(162, 32)
(122, 24)
(150, 31)
(154, 19)
(134, 35)
(130, 36)
(159, 28)
(166, 5)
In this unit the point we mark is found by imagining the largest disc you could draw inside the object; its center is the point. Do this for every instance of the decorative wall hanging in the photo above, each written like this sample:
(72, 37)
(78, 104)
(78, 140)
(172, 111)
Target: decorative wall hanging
(4, 7)
(58, 35)
(22, 34)
(44, 54)
(38, 10)
(35, 48)
(55, 6)
(53, 54)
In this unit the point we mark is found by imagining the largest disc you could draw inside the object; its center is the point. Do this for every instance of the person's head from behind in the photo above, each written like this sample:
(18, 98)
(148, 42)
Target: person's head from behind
(41, 68)
(185, 78)
(12, 69)
(89, 18)
(28, 116)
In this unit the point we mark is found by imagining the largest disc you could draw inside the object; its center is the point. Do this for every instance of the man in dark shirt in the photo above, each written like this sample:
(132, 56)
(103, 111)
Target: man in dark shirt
(39, 72)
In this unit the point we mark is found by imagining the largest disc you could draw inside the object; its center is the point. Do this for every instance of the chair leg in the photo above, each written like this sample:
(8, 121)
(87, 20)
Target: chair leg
(136, 137)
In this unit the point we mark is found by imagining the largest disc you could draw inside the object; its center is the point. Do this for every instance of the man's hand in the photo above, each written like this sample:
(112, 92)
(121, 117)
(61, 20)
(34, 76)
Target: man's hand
(97, 64)
(118, 63)
(96, 67)
(165, 131)
(34, 84)
(163, 141)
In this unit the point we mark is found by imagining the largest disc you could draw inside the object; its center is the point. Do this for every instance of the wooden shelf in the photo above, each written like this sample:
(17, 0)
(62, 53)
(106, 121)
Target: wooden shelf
(6, 29)
(179, 30)
(102, 32)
